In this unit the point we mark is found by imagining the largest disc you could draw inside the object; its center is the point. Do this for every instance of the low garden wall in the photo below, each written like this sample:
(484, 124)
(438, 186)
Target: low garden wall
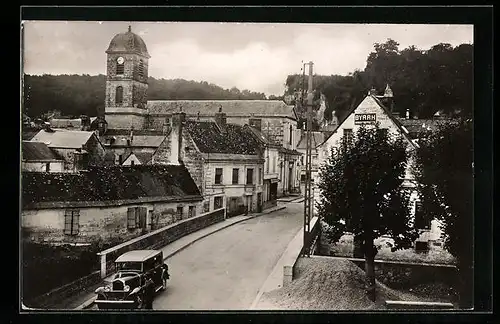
(404, 275)
(159, 238)
(37, 279)
(56, 295)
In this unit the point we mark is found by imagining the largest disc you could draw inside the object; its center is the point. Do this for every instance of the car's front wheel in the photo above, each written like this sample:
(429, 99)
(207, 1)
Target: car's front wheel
(139, 303)
(164, 284)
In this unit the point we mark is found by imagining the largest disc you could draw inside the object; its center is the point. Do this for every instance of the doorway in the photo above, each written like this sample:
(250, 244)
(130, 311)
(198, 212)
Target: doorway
(259, 202)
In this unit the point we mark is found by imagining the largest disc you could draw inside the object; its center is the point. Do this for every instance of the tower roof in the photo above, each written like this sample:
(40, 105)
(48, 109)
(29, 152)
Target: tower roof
(128, 42)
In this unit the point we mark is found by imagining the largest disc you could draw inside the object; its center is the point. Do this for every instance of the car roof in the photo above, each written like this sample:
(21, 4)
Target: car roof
(137, 255)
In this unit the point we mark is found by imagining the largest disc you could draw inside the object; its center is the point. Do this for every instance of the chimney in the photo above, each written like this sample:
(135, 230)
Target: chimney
(101, 125)
(372, 92)
(220, 119)
(178, 119)
(407, 113)
(388, 92)
(85, 122)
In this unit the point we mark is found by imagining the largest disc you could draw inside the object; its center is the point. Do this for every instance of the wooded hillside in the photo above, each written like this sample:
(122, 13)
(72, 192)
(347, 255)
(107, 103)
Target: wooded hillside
(423, 81)
(74, 95)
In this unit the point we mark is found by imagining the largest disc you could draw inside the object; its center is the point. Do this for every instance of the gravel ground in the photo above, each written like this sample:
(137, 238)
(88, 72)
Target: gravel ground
(328, 284)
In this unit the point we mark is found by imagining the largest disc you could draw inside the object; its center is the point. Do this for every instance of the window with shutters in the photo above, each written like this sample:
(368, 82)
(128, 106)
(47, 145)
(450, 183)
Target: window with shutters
(249, 176)
(136, 217)
(119, 96)
(180, 211)
(120, 68)
(72, 222)
(348, 135)
(141, 69)
(235, 175)
(218, 175)
(192, 211)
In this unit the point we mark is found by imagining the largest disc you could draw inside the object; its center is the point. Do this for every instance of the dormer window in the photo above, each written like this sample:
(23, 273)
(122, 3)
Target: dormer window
(119, 96)
(141, 69)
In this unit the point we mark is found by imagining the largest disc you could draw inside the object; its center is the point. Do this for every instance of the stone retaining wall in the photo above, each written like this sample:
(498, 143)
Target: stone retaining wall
(161, 237)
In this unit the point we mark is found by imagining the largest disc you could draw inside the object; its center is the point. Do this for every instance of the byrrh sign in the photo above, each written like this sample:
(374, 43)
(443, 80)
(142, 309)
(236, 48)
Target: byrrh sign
(365, 118)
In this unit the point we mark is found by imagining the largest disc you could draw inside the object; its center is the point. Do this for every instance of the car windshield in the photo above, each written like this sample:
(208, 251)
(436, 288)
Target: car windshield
(135, 266)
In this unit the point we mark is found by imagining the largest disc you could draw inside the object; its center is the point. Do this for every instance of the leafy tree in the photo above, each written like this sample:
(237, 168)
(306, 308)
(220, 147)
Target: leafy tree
(362, 192)
(273, 97)
(444, 171)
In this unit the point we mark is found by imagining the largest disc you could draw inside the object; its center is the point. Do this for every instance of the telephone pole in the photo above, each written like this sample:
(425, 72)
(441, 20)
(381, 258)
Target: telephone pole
(308, 197)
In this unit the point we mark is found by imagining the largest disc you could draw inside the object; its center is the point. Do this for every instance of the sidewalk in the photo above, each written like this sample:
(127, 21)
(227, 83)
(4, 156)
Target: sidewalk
(85, 300)
(291, 199)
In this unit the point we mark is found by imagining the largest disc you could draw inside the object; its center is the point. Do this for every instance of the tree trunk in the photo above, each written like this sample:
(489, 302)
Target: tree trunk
(369, 251)
(357, 251)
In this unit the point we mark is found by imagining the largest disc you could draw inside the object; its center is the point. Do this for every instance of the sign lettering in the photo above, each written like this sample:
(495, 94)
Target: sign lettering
(365, 118)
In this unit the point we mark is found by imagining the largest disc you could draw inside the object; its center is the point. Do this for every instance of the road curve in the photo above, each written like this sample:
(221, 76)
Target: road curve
(225, 270)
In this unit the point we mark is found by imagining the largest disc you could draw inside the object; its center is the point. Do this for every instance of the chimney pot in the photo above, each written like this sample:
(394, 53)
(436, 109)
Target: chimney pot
(178, 120)
(220, 119)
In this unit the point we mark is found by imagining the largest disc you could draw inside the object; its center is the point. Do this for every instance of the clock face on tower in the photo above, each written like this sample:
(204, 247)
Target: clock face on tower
(120, 60)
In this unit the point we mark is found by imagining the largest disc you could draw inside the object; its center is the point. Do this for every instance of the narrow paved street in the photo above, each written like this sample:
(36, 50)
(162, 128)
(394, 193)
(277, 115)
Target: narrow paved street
(225, 270)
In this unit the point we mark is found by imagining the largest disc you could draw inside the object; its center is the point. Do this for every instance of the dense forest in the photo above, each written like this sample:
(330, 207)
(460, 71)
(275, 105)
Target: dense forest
(423, 81)
(74, 95)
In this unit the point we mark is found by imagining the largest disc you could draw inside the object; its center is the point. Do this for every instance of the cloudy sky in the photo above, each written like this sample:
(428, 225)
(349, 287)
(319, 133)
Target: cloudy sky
(257, 57)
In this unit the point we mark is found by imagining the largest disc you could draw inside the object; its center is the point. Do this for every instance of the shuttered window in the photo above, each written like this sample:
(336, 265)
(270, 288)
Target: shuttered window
(348, 136)
(131, 224)
(218, 175)
(249, 176)
(141, 69)
(120, 68)
(192, 211)
(72, 222)
(137, 217)
(141, 215)
(236, 173)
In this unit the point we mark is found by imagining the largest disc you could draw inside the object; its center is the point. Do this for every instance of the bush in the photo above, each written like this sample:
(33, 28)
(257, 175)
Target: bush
(47, 267)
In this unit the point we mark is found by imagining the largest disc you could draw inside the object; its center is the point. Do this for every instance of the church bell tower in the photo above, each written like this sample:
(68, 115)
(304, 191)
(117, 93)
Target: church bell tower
(127, 81)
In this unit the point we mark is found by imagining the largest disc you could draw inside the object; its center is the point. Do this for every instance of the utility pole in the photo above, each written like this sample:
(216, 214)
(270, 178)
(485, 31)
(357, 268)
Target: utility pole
(308, 197)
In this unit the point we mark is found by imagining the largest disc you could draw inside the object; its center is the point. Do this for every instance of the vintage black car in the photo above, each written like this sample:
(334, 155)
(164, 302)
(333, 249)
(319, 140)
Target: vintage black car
(126, 290)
